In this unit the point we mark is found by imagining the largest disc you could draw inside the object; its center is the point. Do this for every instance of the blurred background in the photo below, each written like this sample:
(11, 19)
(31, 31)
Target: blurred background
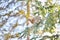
(29, 19)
